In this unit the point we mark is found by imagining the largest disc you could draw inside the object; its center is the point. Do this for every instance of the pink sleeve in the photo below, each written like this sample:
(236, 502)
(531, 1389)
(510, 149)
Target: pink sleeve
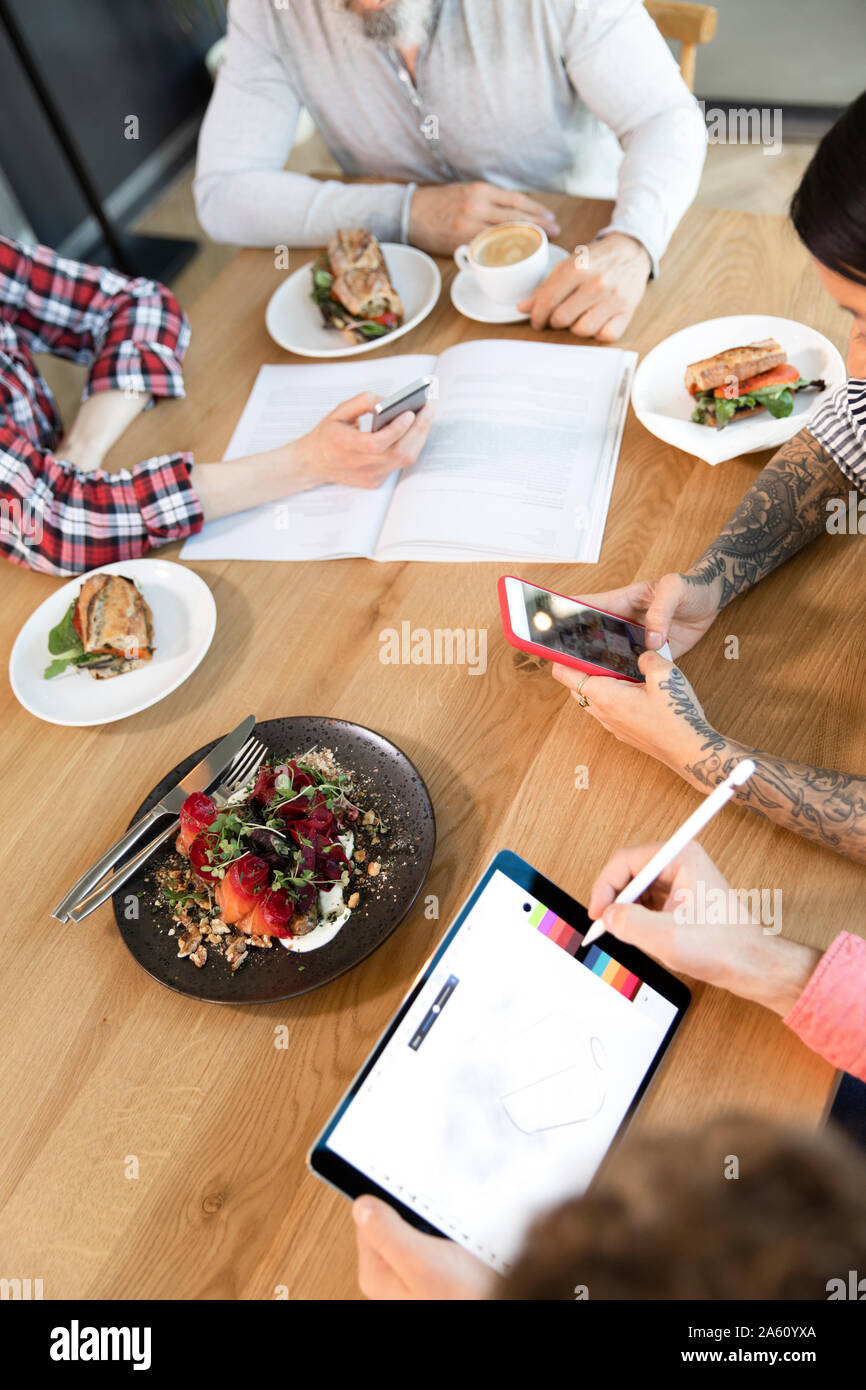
(830, 1014)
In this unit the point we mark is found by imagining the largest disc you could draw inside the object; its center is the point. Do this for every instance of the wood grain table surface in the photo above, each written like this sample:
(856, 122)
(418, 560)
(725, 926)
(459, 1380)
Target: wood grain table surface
(102, 1064)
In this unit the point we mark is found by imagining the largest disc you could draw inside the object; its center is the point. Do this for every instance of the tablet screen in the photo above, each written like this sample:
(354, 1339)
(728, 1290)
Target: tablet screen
(507, 1074)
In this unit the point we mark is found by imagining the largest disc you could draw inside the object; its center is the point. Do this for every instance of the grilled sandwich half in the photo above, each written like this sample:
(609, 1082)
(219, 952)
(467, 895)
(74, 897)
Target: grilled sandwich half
(353, 289)
(113, 621)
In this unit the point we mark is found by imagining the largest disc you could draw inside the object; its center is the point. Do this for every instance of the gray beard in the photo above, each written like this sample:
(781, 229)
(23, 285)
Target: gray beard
(403, 21)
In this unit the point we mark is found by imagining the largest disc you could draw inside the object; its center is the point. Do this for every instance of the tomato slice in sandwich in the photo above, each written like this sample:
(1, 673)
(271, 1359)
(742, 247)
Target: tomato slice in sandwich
(777, 376)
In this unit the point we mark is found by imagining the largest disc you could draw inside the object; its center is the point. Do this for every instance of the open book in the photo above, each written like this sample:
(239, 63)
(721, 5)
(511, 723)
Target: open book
(519, 464)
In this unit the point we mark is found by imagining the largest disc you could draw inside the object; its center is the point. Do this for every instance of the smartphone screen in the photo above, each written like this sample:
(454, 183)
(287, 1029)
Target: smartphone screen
(568, 628)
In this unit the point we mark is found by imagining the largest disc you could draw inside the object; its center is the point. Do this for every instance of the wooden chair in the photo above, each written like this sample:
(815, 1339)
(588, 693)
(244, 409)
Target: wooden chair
(687, 25)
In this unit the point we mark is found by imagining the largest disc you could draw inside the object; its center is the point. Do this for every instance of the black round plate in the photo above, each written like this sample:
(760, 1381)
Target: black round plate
(392, 786)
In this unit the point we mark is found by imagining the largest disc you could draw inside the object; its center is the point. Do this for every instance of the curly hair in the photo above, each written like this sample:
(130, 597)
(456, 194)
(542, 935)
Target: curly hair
(667, 1219)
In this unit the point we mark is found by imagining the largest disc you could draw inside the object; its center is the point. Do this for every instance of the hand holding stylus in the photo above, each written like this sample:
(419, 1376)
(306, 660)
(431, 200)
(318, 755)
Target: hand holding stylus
(748, 958)
(689, 830)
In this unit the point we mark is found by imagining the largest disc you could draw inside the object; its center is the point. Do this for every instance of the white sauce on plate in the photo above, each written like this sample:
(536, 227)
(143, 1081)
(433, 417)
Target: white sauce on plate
(333, 913)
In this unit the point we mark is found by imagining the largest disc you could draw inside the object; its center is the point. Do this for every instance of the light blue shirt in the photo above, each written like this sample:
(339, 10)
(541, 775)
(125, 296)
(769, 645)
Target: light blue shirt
(501, 93)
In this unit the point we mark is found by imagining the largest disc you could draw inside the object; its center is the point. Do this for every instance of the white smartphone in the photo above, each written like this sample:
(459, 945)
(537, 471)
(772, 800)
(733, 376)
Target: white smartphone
(413, 397)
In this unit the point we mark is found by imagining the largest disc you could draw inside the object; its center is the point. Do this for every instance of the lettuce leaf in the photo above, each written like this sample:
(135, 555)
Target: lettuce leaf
(779, 403)
(66, 647)
(63, 637)
(778, 400)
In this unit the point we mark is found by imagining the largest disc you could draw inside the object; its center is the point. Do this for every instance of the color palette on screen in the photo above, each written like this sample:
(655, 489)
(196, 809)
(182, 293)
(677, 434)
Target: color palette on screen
(609, 970)
(599, 962)
(555, 929)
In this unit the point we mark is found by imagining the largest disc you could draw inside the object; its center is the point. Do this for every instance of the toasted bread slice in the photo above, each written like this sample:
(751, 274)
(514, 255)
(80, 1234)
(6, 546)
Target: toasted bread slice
(357, 249)
(738, 362)
(367, 292)
(114, 618)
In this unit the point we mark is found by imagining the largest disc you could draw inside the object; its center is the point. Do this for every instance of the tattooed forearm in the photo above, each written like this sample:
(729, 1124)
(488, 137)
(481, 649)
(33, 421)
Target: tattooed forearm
(684, 703)
(785, 508)
(822, 805)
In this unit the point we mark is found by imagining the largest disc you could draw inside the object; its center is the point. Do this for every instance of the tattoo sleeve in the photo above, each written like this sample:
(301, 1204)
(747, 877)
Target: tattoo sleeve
(824, 806)
(783, 510)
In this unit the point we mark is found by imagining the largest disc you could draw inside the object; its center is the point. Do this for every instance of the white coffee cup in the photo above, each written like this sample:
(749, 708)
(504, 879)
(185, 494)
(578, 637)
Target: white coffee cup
(494, 260)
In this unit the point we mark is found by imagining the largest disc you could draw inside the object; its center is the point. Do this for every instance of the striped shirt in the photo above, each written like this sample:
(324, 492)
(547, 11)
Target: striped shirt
(840, 427)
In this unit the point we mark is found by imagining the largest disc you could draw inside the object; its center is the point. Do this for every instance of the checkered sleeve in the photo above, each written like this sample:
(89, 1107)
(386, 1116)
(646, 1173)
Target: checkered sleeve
(62, 520)
(132, 334)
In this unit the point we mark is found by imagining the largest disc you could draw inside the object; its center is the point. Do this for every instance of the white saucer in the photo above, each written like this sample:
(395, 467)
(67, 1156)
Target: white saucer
(469, 301)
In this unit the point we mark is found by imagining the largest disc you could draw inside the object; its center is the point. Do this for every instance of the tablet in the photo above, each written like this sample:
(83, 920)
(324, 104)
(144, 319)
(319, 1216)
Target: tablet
(508, 1071)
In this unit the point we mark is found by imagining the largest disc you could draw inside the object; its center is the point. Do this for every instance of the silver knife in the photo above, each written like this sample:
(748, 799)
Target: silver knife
(197, 780)
(250, 762)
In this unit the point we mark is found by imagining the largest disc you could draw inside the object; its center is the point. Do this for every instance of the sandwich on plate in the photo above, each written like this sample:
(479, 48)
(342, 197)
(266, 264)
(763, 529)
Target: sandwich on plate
(353, 289)
(106, 631)
(743, 381)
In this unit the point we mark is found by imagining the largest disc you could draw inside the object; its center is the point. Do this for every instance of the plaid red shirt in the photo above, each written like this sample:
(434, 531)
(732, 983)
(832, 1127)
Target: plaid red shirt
(133, 335)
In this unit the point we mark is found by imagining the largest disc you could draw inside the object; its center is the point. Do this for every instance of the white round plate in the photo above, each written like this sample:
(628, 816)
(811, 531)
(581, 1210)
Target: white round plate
(294, 320)
(472, 304)
(662, 403)
(184, 618)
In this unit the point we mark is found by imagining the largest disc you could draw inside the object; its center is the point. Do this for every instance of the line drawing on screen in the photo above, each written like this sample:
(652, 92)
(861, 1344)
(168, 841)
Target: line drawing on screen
(559, 1071)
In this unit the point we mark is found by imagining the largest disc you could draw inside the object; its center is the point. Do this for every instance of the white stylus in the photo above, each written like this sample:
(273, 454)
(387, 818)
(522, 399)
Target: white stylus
(687, 831)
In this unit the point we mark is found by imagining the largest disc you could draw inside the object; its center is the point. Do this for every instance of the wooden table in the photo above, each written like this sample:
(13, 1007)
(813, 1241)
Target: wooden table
(102, 1064)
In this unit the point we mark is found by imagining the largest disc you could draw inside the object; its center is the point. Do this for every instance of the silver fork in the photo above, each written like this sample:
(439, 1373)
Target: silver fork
(244, 768)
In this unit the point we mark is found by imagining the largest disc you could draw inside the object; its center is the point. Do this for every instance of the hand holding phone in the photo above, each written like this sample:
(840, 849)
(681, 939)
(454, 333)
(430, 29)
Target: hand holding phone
(571, 633)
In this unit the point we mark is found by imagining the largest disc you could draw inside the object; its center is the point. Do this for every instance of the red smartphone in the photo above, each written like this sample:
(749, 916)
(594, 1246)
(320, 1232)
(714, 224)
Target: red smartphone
(571, 633)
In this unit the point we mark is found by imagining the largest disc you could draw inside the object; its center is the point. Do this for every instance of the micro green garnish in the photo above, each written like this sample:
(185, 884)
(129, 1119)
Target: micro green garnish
(304, 878)
(175, 897)
(271, 829)
(332, 790)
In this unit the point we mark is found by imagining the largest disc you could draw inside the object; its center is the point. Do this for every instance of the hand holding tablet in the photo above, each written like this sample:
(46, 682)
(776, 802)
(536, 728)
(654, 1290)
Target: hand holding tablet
(518, 1057)
(508, 1071)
